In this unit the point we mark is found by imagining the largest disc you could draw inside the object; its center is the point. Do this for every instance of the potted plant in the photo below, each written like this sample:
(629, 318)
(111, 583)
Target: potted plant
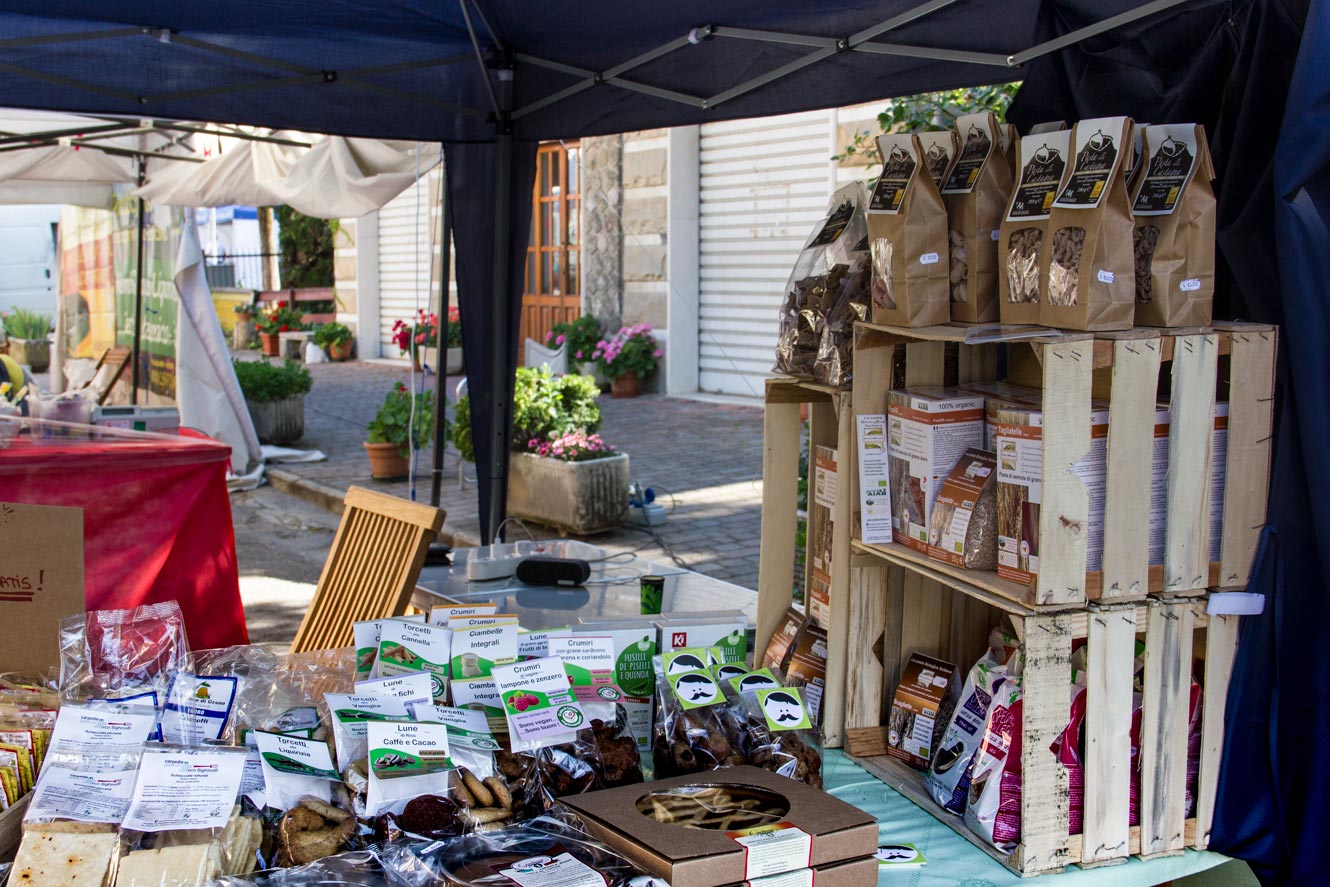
(560, 472)
(27, 332)
(242, 332)
(336, 339)
(627, 358)
(452, 360)
(280, 318)
(403, 423)
(275, 395)
(420, 339)
(579, 338)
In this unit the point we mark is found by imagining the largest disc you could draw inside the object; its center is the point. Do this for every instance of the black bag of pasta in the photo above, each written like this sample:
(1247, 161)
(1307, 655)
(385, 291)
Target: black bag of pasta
(822, 265)
(976, 193)
(1042, 160)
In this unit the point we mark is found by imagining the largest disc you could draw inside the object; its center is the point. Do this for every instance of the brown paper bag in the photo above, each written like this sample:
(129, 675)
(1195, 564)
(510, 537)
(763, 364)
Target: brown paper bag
(976, 194)
(1088, 274)
(907, 236)
(940, 149)
(1174, 242)
(1023, 237)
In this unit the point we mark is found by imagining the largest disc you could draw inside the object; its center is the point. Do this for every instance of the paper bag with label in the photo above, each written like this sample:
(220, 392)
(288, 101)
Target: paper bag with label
(1041, 161)
(1088, 271)
(976, 194)
(1174, 240)
(40, 584)
(907, 237)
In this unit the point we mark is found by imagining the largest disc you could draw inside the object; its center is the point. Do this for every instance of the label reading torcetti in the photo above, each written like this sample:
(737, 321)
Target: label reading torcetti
(558, 870)
(537, 699)
(774, 849)
(899, 166)
(296, 755)
(366, 638)
(1096, 162)
(1172, 162)
(197, 707)
(1045, 157)
(466, 727)
(976, 147)
(83, 795)
(185, 788)
(783, 708)
(410, 749)
(406, 647)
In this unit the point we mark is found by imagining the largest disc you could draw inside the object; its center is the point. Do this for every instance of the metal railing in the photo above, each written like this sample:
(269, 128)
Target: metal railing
(238, 270)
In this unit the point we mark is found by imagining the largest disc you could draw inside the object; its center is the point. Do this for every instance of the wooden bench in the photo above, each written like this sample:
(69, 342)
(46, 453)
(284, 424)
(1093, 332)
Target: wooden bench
(303, 295)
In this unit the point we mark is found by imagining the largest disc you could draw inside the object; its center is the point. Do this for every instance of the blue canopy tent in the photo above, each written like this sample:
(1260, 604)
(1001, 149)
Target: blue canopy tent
(489, 79)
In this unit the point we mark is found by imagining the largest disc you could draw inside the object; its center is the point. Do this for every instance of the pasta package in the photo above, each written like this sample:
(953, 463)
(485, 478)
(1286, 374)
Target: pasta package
(1041, 162)
(976, 192)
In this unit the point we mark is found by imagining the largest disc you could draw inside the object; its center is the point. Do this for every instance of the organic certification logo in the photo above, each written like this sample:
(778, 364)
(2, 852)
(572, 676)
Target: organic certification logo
(570, 716)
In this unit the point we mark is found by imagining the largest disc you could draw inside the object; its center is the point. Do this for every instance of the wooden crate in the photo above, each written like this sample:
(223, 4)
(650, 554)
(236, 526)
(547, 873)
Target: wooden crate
(831, 424)
(897, 610)
(1128, 369)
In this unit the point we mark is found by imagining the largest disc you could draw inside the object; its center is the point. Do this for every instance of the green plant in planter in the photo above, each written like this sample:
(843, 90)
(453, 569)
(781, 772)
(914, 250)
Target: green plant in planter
(261, 381)
(332, 334)
(395, 424)
(20, 323)
(631, 350)
(580, 337)
(545, 407)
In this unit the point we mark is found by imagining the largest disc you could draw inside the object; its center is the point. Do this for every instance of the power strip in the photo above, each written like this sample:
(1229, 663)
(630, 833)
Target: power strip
(483, 569)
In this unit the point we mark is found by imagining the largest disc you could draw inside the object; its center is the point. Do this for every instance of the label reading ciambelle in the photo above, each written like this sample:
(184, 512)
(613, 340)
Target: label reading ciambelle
(83, 795)
(185, 788)
(197, 707)
(560, 870)
(773, 849)
(537, 699)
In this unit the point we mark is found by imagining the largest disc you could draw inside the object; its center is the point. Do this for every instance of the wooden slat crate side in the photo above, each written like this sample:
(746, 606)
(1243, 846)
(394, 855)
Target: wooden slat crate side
(780, 491)
(864, 680)
(1247, 472)
(838, 662)
(1111, 654)
(1064, 515)
(1190, 442)
(1135, 379)
(1221, 645)
(1046, 693)
(1167, 686)
(925, 363)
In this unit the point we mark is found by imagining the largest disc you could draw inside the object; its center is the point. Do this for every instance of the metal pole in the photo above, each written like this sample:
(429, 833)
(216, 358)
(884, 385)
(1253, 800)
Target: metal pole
(135, 373)
(445, 273)
(501, 371)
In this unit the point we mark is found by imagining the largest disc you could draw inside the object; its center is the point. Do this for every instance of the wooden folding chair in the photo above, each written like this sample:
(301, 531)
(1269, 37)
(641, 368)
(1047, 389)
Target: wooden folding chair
(372, 568)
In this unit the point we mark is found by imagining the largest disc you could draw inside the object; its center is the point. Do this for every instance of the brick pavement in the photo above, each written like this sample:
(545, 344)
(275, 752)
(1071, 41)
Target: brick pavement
(708, 456)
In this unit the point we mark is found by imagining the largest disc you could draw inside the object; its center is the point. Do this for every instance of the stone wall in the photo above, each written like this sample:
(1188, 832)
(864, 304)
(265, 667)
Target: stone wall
(645, 227)
(602, 240)
(344, 270)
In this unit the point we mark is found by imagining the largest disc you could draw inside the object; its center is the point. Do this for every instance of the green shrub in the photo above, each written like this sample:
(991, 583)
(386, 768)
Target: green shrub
(21, 323)
(394, 423)
(262, 381)
(544, 407)
(332, 334)
(307, 249)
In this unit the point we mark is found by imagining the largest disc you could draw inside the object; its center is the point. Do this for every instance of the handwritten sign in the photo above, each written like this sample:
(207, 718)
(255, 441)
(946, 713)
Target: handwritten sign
(41, 580)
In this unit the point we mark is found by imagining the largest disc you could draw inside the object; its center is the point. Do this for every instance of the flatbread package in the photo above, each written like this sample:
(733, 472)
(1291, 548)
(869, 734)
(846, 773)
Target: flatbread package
(71, 854)
(1174, 240)
(1088, 271)
(181, 865)
(976, 192)
(1042, 161)
(907, 236)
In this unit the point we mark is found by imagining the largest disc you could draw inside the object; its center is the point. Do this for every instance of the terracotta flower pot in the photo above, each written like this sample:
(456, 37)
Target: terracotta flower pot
(272, 343)
(340, 351)
(385, 463)
(624, 386)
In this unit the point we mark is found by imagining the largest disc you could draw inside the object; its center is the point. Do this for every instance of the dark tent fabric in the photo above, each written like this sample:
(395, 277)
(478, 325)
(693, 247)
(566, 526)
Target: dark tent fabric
(1274, 197)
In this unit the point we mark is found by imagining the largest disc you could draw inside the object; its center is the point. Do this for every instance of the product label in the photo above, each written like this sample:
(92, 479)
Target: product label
(1190, 285)
(1158, 486)
(696, 689)
(478, 649)
(442, 614)
(977, 139)
(761, 679)
(899, 856)
(1045, 160)
(252, 780)
(1105, 276)
(1218, 474)
(1172, 153)
(588, 659)
(535, 644)
(955, 505)
(926, 436)
(774, 849)
(1098, 156)
(353, 713)
(939, 152)
(797, 878)
(145, 699)
(406, 647)
(177, 789)
(928, 259)
(466, 727)
(874, 482)
(296, 755)
(537, 699)
(731, 638)
(83, 795)
(728, 671)
(197, 708)
(407, 749)
(833, 226)
(410, 688)
(899, 166)
(101, 731)
(365, 635)
(677, 662)
(561, 870)
(783, 709)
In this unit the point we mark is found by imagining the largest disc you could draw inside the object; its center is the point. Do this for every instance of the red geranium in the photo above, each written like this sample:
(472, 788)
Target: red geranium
(284, 329)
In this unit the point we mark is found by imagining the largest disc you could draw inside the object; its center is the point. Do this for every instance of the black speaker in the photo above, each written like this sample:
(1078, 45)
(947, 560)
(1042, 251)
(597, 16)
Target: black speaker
(561, 571)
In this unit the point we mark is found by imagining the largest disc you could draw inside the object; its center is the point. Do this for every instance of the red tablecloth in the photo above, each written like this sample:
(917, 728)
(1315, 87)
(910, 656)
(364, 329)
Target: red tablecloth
(156, 523)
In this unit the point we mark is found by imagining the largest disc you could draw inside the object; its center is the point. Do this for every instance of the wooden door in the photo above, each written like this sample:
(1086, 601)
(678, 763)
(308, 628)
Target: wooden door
(553, 289)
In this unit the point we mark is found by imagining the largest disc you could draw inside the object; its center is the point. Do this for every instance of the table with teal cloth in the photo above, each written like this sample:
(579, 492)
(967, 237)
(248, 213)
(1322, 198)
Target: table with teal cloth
(952, 860)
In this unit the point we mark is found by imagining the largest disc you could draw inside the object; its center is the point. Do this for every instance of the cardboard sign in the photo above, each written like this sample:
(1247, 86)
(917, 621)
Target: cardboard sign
(41, 580)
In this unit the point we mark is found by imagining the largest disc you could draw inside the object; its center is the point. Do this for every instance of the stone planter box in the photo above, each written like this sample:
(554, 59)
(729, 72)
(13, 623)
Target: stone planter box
(453, 361)
(279, 421)
(33, 353)
(577, 497)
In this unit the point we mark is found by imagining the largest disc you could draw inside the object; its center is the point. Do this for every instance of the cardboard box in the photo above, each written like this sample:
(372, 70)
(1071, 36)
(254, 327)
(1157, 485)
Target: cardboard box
(928, 428)
(781, 647)
(821, 530)
(727, 629)
(815, 830)
(806, 667)
(855, 873)
(996, 394)
(41, 581)
(921, 709)
(971, 483)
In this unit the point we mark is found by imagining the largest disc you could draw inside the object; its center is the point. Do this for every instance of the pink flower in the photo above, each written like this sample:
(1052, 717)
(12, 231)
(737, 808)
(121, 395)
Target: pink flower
(560, 339)
(549, 336)
(579, 355)
(657, 353)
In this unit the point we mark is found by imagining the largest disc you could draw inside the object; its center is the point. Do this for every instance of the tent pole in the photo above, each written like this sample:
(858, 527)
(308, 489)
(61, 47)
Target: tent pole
(440, 396)
(500, 347)
(135, 372)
